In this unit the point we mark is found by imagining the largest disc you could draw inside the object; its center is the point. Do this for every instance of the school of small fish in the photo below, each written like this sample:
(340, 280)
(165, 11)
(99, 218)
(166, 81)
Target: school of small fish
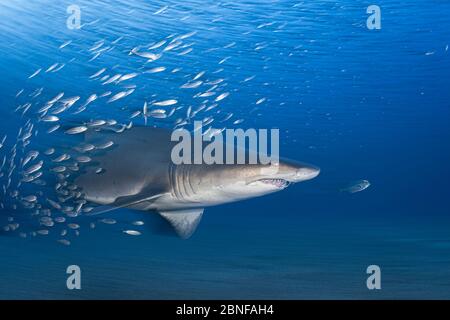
(38, 164)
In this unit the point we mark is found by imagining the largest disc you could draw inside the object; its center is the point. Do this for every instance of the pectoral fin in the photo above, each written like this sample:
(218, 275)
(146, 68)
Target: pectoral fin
(184, 221)
(123, 202)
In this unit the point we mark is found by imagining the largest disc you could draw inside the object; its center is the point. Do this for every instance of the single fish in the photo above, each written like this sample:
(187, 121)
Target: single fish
(132, 232)
(158, 113)
(188, 50)
(45, 108)
(155, 70)
(99, 72)
(120, 95)
(48, 224)
(260, 101)
(191, 85)
(59, 169)
(50, 119)
(224, 60)
(97, 45)
(59, 110)
(107, 93)
(62, 158)
(228, 117)
(187, 35)
(19, 92)
(85, 148)
(77, 130)
(83, 159)
(147, 55)
(54, 204)
(73, 226)
(157, 45)
(222, 96)
(35, 73)
(34, 168)
(105, 145)
(145, 108)
(230, 45)
(112, 79)
(206, 94)
(128, 76)
(215, 82)
(64, 242)
(30, 198)
(97, 123)
(53, 129)
(65, 44)
(108, 221)
(32, 155)
(56, 98)
(172, 45)
(357, 186)
(165, 103)
(161, 10)
(88, 209)
(70, 101)
(3, 141)
(199, 75)
(135, 114)
(90, 99)
(62, 65)
(53, 66)
(49, 151)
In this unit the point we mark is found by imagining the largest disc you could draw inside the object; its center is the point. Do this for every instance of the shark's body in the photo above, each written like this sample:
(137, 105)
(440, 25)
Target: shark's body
(138, 174)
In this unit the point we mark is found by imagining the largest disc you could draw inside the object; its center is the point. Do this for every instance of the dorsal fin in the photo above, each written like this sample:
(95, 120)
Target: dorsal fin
(183, 221)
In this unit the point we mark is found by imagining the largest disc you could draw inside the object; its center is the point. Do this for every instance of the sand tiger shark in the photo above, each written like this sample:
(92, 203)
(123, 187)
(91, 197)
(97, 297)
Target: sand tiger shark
(138, 174)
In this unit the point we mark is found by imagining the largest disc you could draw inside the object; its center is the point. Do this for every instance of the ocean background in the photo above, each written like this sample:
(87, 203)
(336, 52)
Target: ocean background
(359, 103)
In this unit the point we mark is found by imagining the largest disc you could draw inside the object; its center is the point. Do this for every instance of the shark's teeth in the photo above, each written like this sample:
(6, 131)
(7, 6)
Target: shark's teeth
(280, 183)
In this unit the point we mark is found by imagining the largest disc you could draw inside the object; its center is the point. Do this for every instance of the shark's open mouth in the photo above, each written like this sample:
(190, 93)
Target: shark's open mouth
(279, 183)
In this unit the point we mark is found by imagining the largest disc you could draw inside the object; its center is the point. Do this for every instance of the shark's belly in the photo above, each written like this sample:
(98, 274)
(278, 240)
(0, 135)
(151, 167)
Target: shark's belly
(169, 201)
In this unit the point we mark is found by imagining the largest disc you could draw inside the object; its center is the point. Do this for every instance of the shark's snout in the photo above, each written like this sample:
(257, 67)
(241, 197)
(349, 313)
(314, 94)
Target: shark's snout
(297, 171)
(290, 172)
(306, 173)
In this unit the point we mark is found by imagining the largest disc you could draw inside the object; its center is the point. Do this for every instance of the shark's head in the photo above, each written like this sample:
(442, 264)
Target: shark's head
(280, 175)
(217, 184)
(264, 179)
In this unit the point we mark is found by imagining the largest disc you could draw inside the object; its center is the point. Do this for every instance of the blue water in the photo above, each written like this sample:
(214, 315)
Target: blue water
(359, 103)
